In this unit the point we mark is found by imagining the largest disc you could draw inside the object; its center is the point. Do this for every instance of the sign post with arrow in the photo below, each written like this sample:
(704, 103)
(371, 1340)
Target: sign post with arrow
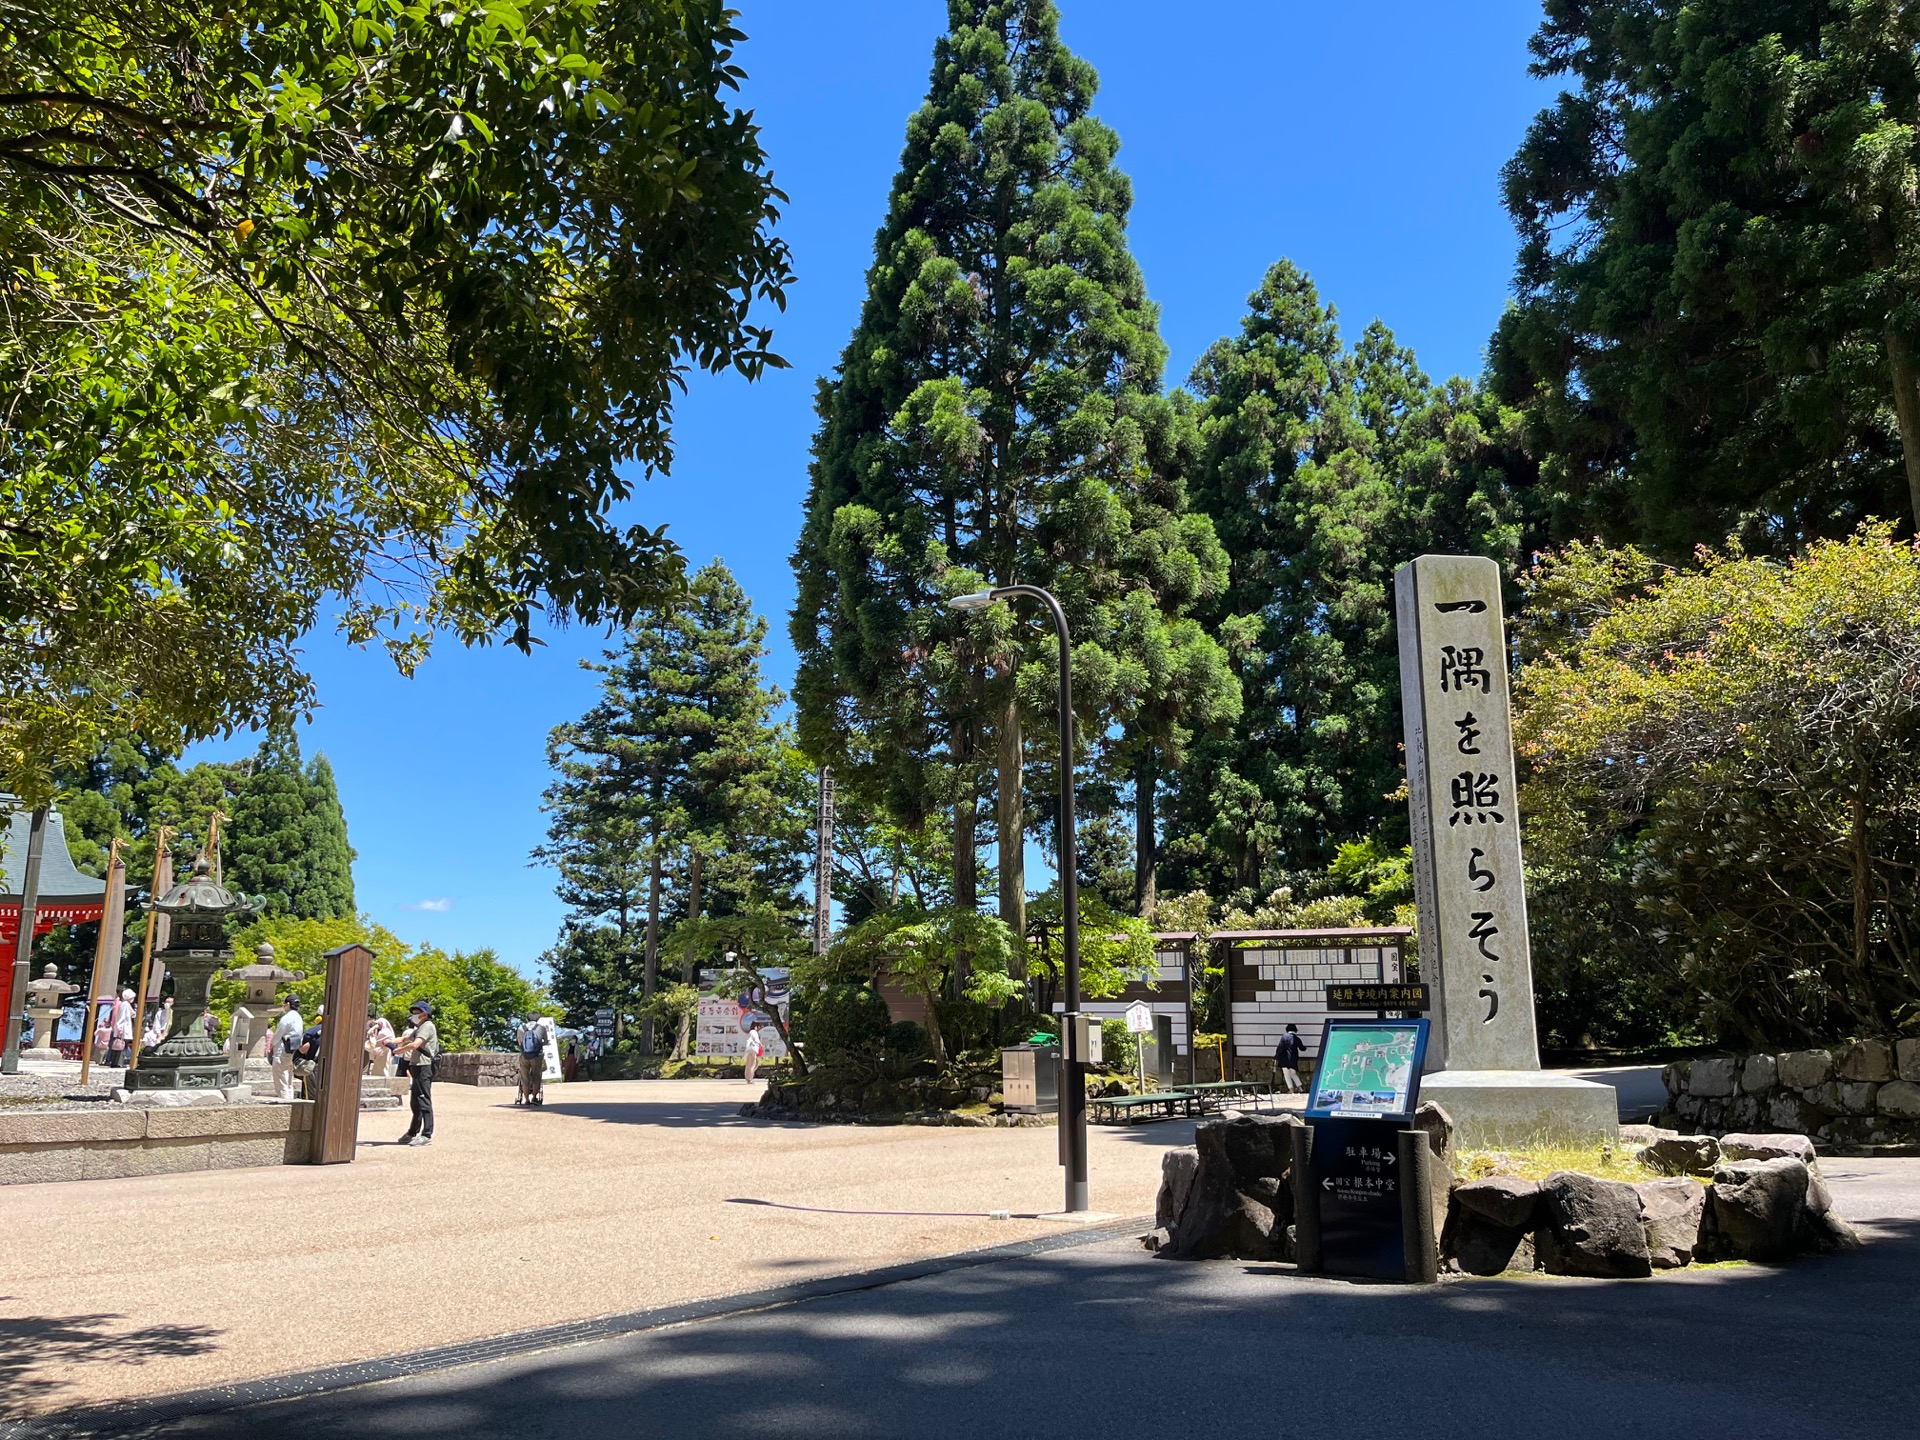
(1367, 1178)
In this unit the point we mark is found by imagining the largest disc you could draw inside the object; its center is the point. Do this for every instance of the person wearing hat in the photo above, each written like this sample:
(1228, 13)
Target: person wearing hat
(421, 1046)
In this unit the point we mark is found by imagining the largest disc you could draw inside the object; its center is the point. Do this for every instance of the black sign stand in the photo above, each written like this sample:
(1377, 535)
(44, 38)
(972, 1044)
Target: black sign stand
(1361, 1187)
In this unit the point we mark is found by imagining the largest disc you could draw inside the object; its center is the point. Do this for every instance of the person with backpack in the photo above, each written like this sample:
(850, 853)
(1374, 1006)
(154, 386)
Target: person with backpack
(1286, 1060)
(533, 1064)
(282, 1048)
(421, 1047)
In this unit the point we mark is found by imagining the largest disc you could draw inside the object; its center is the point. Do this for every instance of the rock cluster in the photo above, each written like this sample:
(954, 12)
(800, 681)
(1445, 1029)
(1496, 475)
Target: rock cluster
(1867, 1093)
(1743, 1197)
(1229, 1195)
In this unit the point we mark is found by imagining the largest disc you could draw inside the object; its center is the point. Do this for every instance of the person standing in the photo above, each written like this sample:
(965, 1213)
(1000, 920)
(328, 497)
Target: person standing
(114, 1036)
(379, 1050)
(282, 1046)
(210, 1023)
(421, 1046)
(1286, 1060)
(533, 1064)
(756, 1047)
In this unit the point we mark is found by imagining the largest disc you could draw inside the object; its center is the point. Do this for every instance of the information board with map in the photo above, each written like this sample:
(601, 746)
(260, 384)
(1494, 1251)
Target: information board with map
(1368, 1068)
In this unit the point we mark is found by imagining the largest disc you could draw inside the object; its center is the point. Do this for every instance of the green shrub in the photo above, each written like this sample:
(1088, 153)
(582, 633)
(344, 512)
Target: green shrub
(907, 1041)
(844, 1017)
(1121, 1049)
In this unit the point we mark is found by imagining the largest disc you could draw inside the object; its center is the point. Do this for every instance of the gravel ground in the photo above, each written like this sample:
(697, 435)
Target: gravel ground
(614, 1197)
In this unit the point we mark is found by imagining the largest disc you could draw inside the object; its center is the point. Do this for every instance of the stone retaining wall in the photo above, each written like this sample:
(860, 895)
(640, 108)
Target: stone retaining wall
(477, 1067)
(122, 1140)
(1867, 1093)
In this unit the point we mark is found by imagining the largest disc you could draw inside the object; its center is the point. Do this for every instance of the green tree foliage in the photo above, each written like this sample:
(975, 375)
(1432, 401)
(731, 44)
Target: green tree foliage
(995, 418)
(677, 796)
(1719, 281)
(475, 998)
(371, 300)
(1725, 762)
(286, 835)
(1323, 468)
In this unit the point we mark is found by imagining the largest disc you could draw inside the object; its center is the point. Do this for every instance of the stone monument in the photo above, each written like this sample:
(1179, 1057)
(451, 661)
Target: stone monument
(1469, 888)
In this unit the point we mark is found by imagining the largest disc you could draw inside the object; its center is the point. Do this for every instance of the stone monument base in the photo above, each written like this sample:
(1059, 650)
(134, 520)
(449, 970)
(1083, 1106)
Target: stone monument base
(1513, 1109)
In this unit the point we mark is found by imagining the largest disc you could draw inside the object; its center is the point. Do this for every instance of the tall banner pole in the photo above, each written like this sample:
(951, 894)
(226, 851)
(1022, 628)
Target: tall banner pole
(823, 868)
(162, 874)
(116, 880)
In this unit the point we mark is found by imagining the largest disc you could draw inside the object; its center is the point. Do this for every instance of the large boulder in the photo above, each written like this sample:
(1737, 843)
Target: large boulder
(1590, 1226)
(1177, 1169)
(1433, 1121)
(1480, 1247)
(1487, 1225)
(1237, 1204)
(1257, 1147)
(1504, 1200)
(1767, 1147)
(1760, 1208)
(1670, 1213)
(1682, 1155)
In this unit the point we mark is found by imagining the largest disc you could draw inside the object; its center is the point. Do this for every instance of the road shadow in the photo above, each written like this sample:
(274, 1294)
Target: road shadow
(32, 1345)
(1107, 1341)
(671, 1114)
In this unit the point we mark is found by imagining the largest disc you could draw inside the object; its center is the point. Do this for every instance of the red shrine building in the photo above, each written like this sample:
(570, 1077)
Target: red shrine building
(66, 897)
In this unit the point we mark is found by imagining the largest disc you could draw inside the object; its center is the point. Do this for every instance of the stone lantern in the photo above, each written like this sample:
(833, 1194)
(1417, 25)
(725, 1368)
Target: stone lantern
(47, 999)
(260, 1008)
(186, 1059)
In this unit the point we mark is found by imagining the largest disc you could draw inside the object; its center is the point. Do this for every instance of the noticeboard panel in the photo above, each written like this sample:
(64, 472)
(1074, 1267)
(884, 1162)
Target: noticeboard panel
(1368, 1069)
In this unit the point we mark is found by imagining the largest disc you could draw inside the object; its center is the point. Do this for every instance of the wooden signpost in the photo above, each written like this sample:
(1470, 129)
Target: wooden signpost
(343, 1038)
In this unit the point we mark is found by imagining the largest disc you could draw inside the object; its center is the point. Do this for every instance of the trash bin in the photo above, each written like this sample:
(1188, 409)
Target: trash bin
(1029, 1079)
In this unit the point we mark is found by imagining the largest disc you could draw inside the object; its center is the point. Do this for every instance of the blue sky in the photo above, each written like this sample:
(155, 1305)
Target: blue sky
(1363, 142)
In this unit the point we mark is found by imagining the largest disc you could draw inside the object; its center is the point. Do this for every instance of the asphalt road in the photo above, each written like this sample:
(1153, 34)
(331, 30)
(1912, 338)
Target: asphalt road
(1103, 1340)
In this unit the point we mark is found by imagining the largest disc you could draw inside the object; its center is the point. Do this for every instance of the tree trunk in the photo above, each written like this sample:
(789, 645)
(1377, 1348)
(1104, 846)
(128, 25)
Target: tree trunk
(966, 845)
(689, 968)
(650, 964)
(1906, 405)
(1146, 843)
(936, 1044)
(1867, 1000)
(1012, 814)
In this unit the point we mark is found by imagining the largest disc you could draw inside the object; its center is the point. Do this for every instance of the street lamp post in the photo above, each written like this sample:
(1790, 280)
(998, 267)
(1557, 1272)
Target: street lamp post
(1073, 1100)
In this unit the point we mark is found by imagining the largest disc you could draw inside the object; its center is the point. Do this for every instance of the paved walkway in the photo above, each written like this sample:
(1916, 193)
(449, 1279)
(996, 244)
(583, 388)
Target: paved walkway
(615, 1197)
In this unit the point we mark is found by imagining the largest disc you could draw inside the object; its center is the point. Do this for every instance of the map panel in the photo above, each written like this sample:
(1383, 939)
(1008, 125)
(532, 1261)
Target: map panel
(1368, 1069)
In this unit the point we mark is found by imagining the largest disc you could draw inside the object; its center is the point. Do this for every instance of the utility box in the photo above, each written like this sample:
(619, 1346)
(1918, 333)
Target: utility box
(1029, 1079)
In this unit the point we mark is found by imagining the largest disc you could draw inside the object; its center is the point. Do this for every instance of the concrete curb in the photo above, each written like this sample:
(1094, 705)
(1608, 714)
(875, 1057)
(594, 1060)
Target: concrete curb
(145, 1416)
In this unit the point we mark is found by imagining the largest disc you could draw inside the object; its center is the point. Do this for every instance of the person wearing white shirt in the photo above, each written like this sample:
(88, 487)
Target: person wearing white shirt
(286, 1040)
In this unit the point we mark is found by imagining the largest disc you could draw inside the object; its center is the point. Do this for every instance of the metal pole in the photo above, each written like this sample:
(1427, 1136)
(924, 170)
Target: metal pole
(23, 945)
(1073, 1104)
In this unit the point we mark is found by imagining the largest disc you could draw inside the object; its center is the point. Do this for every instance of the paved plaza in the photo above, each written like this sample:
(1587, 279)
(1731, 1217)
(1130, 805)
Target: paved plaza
(626, 1262)
(614, 1197)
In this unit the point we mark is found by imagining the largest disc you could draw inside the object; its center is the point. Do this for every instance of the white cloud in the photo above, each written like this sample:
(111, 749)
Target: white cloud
(438, 907)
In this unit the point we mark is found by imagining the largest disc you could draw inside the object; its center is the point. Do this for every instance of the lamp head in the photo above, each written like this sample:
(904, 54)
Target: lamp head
(980, 600)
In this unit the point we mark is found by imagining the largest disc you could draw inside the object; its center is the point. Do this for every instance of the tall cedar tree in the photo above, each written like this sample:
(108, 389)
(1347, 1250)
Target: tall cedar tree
(1324, 468)
(286, 835)
(995, 419)
(677, 795)
(1719, 281)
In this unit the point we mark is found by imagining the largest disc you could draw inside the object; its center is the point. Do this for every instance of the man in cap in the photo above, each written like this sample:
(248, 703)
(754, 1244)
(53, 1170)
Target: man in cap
(421, 1046)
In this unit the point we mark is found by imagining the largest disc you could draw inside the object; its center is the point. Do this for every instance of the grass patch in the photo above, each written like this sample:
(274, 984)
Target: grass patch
(1606, 1162)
